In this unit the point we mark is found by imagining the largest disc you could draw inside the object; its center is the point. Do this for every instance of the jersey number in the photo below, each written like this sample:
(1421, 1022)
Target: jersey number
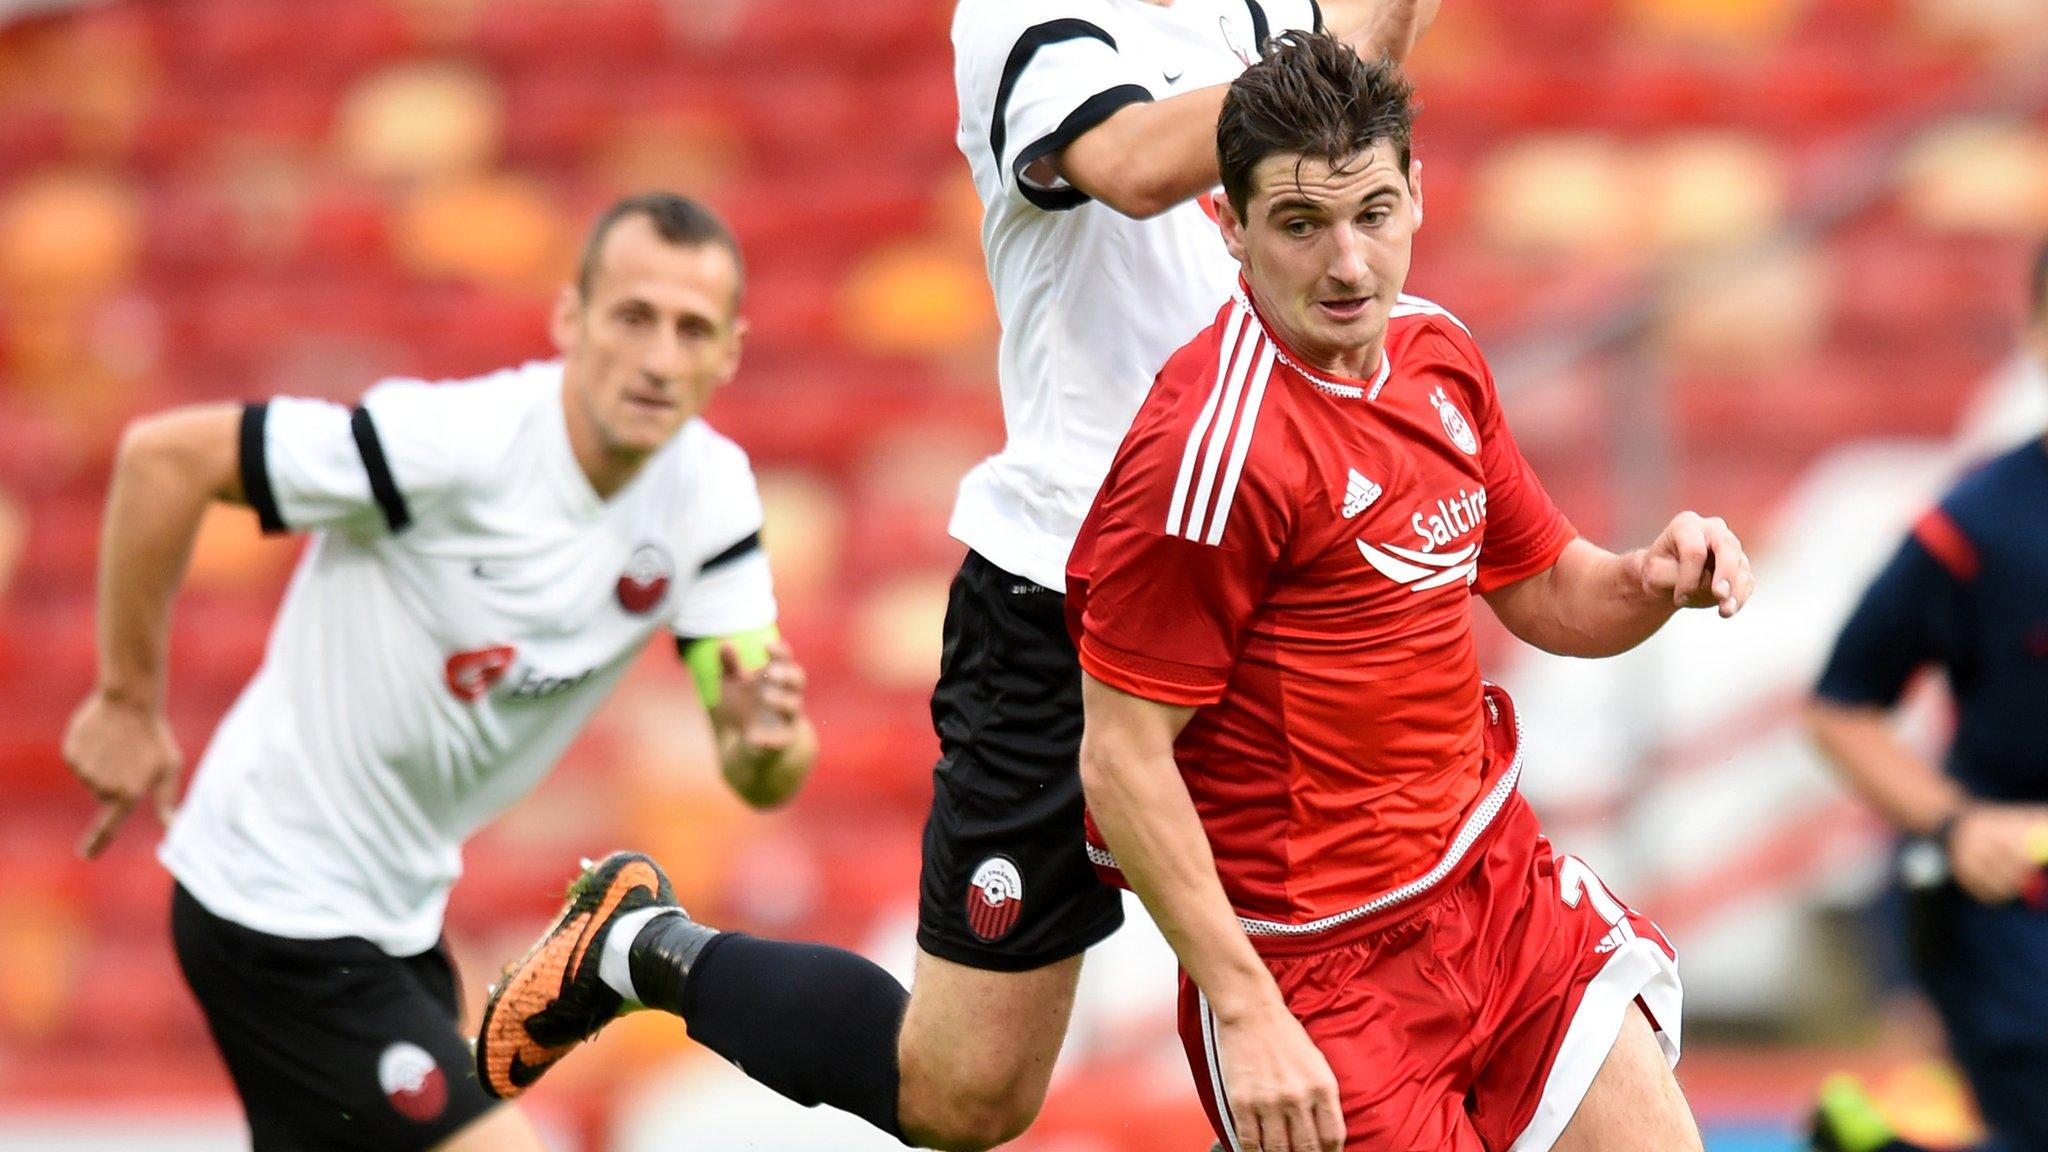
(1576, 883)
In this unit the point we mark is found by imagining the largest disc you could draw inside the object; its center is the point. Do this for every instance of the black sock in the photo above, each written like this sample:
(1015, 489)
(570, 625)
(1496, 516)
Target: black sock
(816, 1024)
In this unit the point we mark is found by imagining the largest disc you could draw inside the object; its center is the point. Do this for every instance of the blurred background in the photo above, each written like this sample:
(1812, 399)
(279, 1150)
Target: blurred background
(1762, 258)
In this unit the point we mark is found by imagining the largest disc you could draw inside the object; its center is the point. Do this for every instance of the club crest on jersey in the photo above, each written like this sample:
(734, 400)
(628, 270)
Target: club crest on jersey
(994, 898)
(471, 675)
(1455, 426)
(646, 578)
(415, 1085)
(1359, 494)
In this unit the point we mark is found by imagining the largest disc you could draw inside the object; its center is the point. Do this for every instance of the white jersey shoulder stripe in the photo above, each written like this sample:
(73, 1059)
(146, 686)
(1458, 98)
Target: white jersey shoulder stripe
(1241, 446)
(1205, 458)
(1228, 351)
(1406, 305)
(1249, 354)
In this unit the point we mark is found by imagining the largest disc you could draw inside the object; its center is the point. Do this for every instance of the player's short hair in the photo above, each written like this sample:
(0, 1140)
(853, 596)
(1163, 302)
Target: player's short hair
(677, 219)
(1310, 96)
(2037, 288)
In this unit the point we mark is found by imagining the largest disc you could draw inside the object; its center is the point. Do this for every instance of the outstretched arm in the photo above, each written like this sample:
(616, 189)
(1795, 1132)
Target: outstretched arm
(1147, 157)
(1592, 602)
(118, 742)
(1279, 1082)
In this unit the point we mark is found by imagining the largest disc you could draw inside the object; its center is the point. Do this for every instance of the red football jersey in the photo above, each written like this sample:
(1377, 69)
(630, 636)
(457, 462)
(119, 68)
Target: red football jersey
(1295, 553)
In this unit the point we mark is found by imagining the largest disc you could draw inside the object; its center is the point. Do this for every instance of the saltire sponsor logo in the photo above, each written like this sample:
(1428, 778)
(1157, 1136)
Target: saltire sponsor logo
(412, 1081)
(1421, 571)
(1359, 494)
(1452, 519)
(1432, 565)
(1213, 460)
(471, 675)
(646, 578)
(995, 897)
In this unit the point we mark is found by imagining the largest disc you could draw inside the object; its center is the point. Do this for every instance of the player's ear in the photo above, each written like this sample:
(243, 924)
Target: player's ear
(1415, 188)
(563, 324)
(735, 336)
(1233, 227)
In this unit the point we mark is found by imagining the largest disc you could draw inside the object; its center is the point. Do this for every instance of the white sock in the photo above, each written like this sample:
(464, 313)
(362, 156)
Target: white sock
(614, 966)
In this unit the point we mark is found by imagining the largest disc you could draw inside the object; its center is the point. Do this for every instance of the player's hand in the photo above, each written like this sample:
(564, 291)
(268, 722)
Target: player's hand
(762, 707)
(1994, 850)
(124, 754)
(1283, 1096)
(1376, 28)
(1698, 563)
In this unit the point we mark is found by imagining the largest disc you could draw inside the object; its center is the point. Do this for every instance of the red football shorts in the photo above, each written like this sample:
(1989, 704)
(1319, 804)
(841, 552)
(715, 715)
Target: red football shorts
(1476, 1019)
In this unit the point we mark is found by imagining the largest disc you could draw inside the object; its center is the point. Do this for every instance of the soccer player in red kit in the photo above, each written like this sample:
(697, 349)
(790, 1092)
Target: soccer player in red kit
(1289, 753)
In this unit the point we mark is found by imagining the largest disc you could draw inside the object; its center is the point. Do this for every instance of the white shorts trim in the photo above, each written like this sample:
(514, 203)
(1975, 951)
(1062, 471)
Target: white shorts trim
(1639, 968)
(1213, 1053)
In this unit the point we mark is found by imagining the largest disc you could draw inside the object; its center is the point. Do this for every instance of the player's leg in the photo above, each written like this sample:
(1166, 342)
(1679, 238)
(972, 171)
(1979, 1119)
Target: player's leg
(977, 1050)
(816, 1024)
(1634, 1103)
(1587, 1003)
(1985, 969)
(819, 1025)
(1007, 897)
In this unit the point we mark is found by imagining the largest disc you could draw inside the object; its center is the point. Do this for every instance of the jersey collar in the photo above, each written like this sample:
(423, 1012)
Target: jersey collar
(1327, 383)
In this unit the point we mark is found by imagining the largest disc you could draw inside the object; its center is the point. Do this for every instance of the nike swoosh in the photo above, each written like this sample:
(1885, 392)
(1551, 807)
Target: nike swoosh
(1173, 77)
(522, 1075)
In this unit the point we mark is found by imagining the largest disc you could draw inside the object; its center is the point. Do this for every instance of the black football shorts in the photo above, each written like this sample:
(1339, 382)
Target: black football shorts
(333, 1044)
(1007, 886)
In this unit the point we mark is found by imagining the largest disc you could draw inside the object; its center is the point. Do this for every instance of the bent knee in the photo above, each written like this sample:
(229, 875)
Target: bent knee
(967, 1121)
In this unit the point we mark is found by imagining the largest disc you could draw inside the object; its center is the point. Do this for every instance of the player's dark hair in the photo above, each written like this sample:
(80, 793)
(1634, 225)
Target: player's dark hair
(677, 219)
(2037, 288)
(1311, 97)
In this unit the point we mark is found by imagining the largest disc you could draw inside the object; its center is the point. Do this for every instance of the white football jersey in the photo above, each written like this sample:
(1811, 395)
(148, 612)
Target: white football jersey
(1092, 302)
(466, 602)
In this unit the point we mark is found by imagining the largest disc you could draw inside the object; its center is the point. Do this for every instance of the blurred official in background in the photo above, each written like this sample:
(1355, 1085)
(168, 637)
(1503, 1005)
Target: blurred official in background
(1967, 592)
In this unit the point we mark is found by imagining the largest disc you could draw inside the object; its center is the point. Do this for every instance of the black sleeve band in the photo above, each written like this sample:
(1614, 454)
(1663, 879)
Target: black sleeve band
(256, 470)
(1092, 111)
(1261, 28)
(382, 487)
(1035, 37)
(739, 551)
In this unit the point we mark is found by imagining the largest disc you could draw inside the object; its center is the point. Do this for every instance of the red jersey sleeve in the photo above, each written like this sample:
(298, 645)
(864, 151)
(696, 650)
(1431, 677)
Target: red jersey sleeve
(1525, 532)
(1176, 554)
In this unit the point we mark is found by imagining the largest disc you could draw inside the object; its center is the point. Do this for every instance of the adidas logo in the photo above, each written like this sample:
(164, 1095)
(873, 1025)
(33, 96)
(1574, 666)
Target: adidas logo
(1617, 936)
(1359, 494)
